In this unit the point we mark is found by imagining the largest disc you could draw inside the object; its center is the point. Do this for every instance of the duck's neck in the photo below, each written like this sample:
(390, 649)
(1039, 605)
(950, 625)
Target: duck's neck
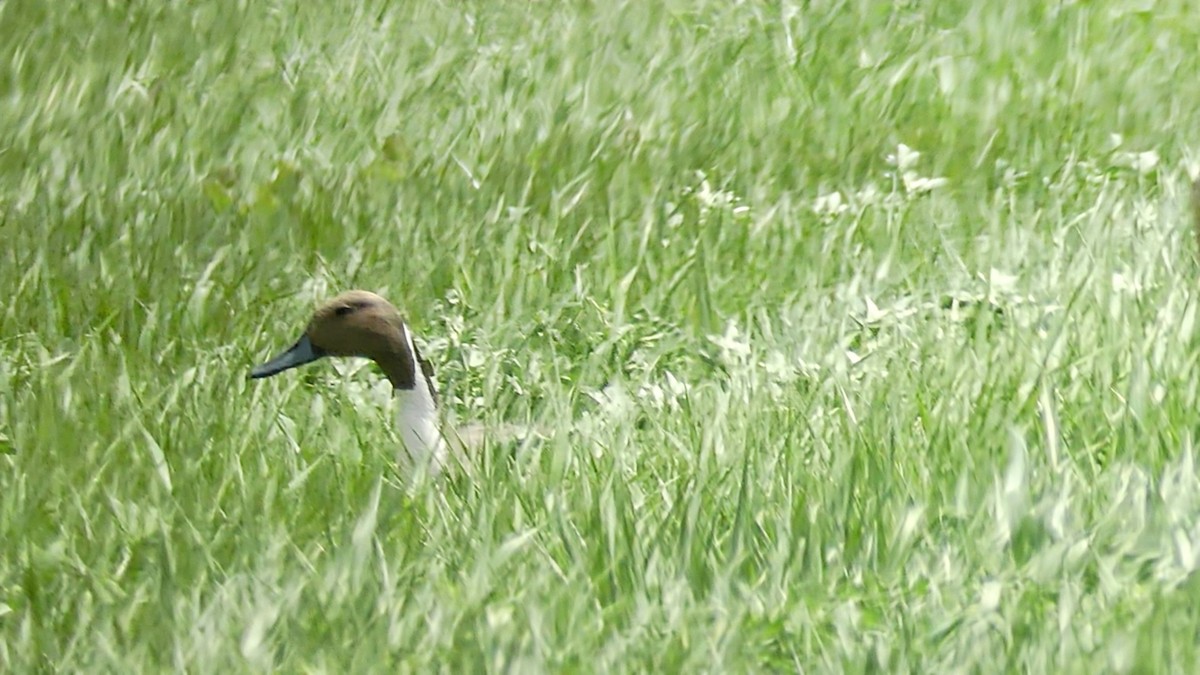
(417, 417)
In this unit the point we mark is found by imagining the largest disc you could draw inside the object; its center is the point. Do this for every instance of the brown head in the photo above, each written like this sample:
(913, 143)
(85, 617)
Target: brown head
(356, 323)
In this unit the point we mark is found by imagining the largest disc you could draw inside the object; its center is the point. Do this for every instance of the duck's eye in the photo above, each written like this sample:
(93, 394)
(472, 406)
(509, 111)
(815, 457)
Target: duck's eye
(351, 307)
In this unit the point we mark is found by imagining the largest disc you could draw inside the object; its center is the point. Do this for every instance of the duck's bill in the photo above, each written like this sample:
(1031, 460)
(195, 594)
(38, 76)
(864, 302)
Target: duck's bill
(300, 353)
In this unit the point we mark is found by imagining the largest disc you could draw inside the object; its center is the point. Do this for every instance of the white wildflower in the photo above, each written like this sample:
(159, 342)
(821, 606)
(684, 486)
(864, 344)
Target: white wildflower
(830, 204)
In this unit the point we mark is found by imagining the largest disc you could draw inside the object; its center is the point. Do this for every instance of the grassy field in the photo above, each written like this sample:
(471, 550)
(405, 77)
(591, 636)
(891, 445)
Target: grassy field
(864, 334)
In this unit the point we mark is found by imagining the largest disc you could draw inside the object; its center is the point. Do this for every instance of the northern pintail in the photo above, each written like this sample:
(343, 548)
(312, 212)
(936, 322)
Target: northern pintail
(361, 323)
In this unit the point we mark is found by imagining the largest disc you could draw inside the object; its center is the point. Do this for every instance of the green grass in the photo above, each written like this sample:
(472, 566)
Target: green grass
(776, 443)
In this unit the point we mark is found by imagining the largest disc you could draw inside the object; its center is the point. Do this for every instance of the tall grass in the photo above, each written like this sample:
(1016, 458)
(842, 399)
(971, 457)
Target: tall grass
(863, 333)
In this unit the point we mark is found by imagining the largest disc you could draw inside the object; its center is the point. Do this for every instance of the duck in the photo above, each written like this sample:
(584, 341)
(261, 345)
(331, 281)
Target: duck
(360, 323)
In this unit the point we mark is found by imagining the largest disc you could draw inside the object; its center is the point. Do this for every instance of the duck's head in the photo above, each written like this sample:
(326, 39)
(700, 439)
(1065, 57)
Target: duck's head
(356, 323)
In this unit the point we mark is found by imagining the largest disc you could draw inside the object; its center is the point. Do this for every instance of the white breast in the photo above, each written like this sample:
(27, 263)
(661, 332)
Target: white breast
(424, 448)
(417, 419)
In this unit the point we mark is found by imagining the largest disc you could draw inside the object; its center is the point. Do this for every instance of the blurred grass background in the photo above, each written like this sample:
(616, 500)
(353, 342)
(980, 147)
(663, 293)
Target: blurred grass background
(865, 330)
